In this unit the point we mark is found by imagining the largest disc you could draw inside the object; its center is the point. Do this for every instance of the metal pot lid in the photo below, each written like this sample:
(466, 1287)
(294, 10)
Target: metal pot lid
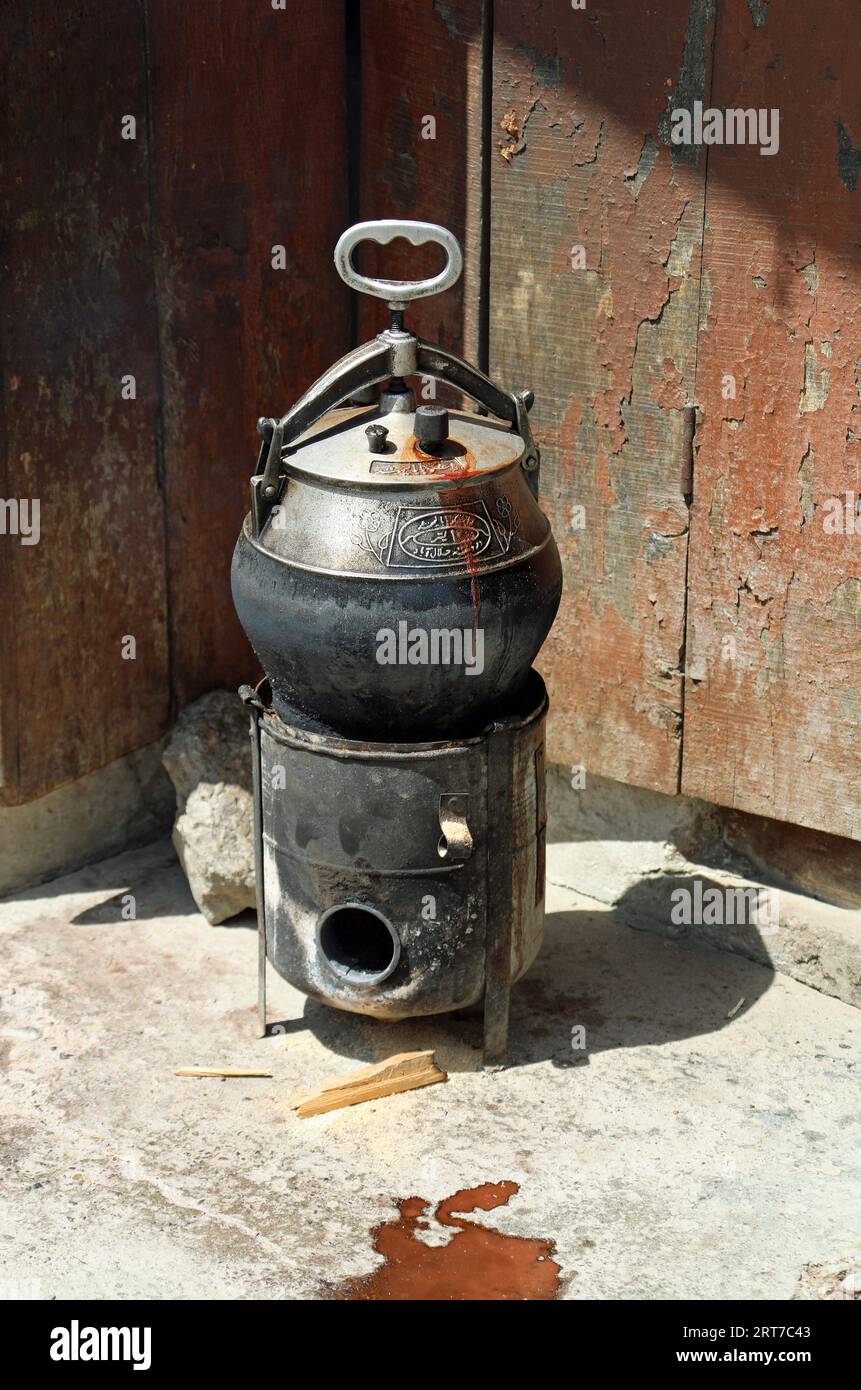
(372, 447)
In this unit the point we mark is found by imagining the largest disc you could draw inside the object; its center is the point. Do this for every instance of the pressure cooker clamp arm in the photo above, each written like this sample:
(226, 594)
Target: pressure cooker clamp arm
(364, 366)
(513, 406)
(393, 353)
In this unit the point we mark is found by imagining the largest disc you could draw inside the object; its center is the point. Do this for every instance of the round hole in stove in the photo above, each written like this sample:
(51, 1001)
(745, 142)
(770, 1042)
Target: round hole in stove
(358, 943)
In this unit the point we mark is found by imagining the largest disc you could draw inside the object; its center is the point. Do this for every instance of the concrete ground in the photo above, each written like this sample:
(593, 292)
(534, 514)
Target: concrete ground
(697, 1148)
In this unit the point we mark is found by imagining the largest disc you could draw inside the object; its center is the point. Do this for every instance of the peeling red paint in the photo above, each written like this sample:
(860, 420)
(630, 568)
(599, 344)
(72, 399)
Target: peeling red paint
(775, 618)
(610, 351)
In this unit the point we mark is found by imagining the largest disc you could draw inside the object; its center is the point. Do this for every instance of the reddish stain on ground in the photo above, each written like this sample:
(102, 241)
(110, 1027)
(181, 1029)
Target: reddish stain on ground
(476, 1263)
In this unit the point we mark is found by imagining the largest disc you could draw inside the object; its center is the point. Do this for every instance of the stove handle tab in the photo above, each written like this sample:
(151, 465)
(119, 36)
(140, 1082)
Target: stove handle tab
(455, 843)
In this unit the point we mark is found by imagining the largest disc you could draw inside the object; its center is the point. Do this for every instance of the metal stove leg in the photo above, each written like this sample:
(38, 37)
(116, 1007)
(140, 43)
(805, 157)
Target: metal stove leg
(262, 1025)
(249, 698)
(500, 899)
(496, 1002)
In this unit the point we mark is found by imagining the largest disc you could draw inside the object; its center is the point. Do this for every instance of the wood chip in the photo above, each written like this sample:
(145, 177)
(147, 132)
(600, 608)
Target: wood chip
(732, 1013)
(220, 1071)
(403, 1072)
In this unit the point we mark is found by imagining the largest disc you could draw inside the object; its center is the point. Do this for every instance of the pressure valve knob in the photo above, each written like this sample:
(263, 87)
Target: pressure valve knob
(431, 426)
(377, 435)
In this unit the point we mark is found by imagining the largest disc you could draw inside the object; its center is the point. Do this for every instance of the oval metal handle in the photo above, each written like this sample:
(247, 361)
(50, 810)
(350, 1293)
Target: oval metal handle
(398, 293)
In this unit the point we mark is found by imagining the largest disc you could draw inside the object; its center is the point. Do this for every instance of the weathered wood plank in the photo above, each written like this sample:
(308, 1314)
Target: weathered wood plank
(421, 74)
(596, 238)
(774, 662)
(77, 316)
(250, 154)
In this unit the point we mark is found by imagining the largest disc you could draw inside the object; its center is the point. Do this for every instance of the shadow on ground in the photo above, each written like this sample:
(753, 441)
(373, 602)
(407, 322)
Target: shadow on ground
(622, 988)
(596, 986)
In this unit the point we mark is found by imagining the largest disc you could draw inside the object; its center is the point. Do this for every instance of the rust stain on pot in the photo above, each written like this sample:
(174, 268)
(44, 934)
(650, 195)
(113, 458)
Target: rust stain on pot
(451, 460)
(477, 1263)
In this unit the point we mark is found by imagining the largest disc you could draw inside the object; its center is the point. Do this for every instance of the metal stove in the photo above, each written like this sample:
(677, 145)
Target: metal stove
(396, 578)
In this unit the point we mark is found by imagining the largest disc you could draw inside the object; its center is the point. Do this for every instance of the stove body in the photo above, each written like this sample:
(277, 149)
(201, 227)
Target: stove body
(396, 578)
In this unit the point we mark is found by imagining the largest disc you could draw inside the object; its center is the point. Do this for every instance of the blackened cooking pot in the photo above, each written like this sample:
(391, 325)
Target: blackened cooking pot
(396, 576)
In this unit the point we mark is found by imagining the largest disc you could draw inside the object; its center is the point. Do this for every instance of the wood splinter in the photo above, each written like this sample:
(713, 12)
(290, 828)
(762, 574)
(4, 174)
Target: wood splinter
(403, 1072)
(220, 1071)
